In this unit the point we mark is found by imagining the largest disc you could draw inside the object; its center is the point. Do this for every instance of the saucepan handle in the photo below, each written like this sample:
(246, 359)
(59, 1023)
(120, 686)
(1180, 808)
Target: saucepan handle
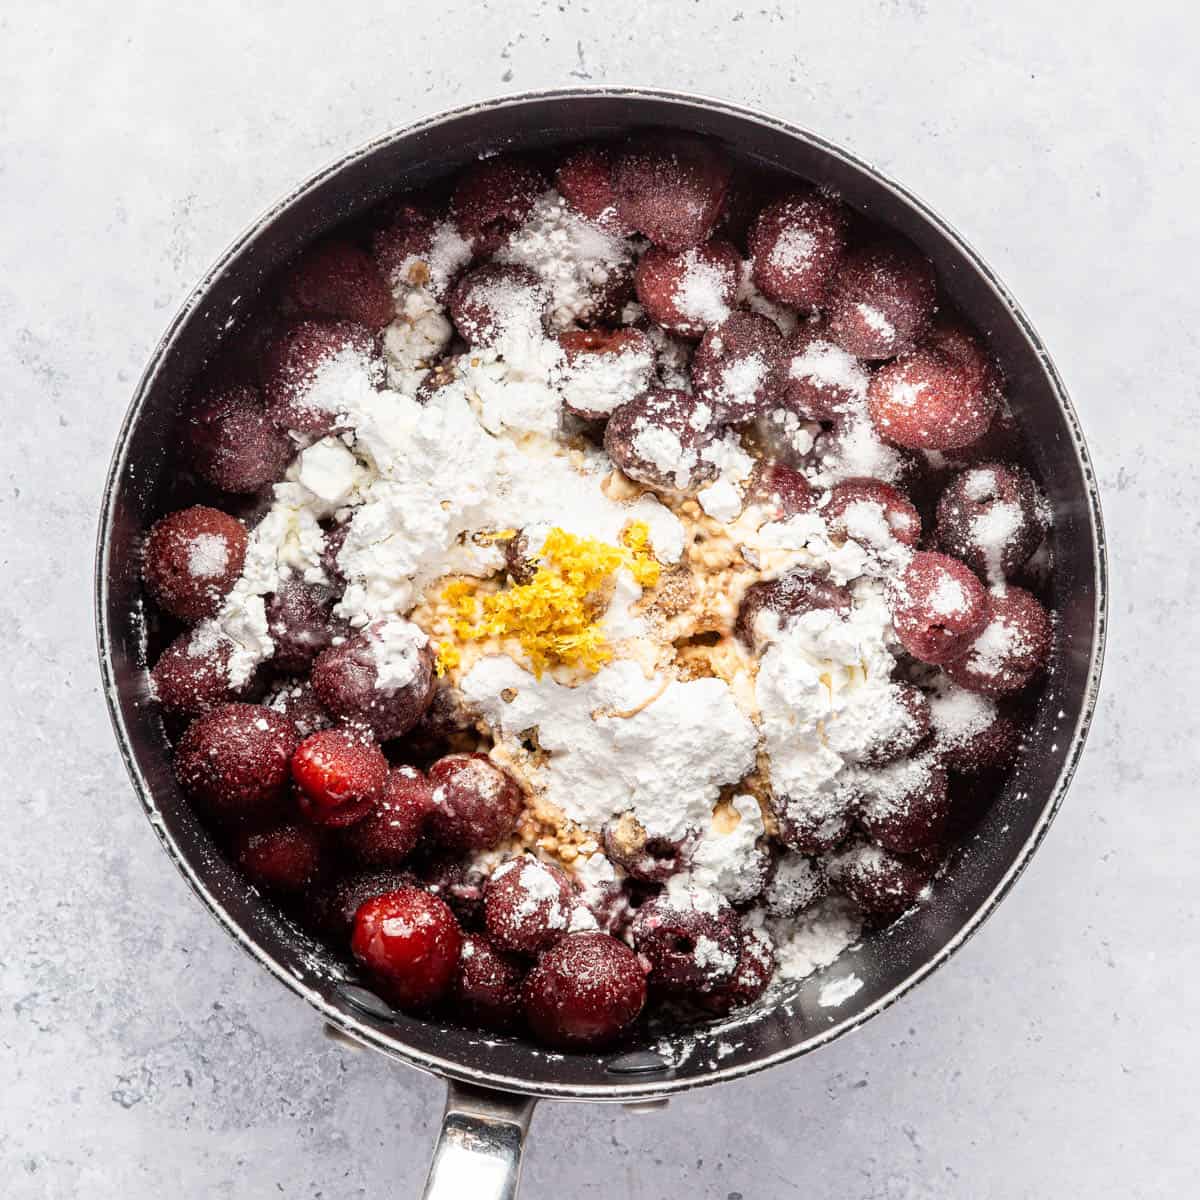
(478, 1153)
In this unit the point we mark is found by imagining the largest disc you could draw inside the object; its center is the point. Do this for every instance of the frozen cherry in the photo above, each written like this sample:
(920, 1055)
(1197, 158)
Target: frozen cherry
(688, 291)
(300, 624)
(881, 299)
(584, 991)
(332, 908)
(300, 358)
(337, 279)
(1000, 443)
(487, 986)
(925, 401)
(949, 335)
(871, 512)
(235, 445)
(660, 438)
(193, 558)
(671, 189)
(738, 366)
(526, 905)
(234, 761)
(970, 731)
(495, 300)
(756, 966)
(389, 832)
(792, 595)
(877, 880)
(191, 676)
(822, 382)
(651, 858)
(410, 942)
(295, 700)
(493, 197)
(475, 802)
(339, 775)
(813, 822)
(584, 178)
(458, 881)
(347, 681)
(287, 859)
(1011, 648)
(691, 938)
(743, 199)
(904, 806)
(795, 882)
(604, 368)
(992, 517)
(403, 242)
(796, 245)
(938, 607)
(780, 489)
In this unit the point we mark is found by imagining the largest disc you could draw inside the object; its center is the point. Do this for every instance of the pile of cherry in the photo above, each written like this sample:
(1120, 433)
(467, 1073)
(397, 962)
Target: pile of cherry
(376, 853)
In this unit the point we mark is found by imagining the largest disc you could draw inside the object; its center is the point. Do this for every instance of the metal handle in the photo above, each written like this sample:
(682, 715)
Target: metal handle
(478, 1153)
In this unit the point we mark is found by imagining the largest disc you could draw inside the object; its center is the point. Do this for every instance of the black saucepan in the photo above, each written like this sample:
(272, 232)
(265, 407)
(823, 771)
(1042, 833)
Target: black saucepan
(494, 1082)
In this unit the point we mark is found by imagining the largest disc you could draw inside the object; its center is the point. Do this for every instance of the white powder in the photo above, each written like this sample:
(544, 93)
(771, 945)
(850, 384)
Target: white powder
(672, 357)
(329, 471)
(949, 597)
(699, 296)
(725, 862)
(748, 296)
(415, 339)
(824, 365)
(824, 689)
(796, 883)
(708, 954)
(793, 248)
(837, 991)
(816, 938)
(979, 484)
(542, 894)
(957, 715)
(396, 646)
(741, 380)
(876, 321)
(721, 500)
(1000, 642)
(286, 543)
(993, 531)
(662, 447)
(597, 383)
(619, 742)
(208, 556)
(345, 377)
(434, 270)
(574, 257)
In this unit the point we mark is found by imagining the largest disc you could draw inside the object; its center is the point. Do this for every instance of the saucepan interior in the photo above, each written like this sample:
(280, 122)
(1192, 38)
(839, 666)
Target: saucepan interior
(889, 962)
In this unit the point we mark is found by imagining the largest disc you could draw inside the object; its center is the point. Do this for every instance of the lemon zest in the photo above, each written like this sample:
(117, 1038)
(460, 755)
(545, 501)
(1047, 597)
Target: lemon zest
(556, 616)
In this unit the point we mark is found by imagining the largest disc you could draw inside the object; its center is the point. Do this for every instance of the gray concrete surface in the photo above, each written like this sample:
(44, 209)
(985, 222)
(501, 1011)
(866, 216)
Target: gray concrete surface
(143, 1055)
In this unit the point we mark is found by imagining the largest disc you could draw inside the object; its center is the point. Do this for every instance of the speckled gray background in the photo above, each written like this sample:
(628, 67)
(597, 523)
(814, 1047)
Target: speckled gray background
(143, 1054)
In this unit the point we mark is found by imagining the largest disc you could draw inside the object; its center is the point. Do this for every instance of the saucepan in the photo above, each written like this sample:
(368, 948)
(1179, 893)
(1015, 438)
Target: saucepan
(494, 1082)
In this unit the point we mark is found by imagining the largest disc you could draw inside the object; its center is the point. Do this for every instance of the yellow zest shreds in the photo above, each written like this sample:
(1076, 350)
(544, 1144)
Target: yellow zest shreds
(642, 564)
(556, 615)
(448, 656)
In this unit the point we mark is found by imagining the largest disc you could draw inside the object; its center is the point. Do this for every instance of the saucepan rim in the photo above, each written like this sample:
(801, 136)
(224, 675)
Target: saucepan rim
(633, 1089)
